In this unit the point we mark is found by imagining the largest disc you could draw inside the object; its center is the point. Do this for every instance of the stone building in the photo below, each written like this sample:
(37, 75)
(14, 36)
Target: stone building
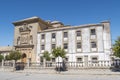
(5, 50)
(33, 36)
(25, 36)
(90, 42)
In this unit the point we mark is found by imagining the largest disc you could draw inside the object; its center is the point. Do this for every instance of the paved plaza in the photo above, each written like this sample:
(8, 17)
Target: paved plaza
(37, 76)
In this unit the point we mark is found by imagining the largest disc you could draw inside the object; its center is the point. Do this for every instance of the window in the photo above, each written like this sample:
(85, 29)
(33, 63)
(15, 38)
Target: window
(53, 35)
(65, 34)
(78, 45)
(94, 59)
(42, 47)
(53, 59)
(43, 36)
(53, 46)
(41, 59)
(65, 45)
(30, 26)
(78, 33)
(79, 59)
(92, 32)
(66, 59)
(93, 45)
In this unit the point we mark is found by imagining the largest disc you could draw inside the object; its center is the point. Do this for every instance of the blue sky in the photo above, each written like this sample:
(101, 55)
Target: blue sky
(70, 12)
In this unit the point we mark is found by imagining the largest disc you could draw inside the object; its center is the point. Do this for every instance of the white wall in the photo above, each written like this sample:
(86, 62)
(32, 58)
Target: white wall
(86, 49)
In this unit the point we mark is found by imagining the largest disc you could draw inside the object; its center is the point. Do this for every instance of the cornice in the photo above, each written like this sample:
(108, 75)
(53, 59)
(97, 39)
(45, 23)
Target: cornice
(30, 20)
(70, 27)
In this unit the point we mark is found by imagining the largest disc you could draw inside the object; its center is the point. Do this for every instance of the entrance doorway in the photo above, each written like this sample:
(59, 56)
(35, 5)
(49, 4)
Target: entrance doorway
(24, 57)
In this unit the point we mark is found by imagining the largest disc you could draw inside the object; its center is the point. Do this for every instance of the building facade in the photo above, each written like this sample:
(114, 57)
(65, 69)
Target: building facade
(82, 43)
(25, 37)
(6, 50)
(33, 36)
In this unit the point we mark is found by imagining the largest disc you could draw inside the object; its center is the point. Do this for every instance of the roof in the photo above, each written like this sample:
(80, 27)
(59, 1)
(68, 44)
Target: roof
(6, 48)
(30, 20)
(72, 27)
(35, 17)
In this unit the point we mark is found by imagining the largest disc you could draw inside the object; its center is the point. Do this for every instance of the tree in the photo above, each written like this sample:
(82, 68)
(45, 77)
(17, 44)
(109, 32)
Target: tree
(46, 55)
(56, 52)
(59, 52)
(15, 55)
(7, 57)
(116, 47)
(1, 57)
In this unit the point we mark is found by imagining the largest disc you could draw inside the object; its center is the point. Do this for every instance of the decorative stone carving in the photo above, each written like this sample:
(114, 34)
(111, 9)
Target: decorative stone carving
(24, 39)
(18, 41)
(31, 39)
(24, 28)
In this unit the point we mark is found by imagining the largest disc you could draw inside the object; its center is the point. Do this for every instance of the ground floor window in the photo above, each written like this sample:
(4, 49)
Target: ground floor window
(66, 59)
(79, 59)
(53, 59)
(41, 59)
(94, 59)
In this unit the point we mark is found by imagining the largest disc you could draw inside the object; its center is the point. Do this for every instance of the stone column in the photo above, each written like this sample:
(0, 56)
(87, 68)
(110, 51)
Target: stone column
(2, 63)
(44, 62)
(28, 62)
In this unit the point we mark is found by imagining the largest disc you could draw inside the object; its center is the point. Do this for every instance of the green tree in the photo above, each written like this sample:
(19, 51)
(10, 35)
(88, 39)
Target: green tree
(15, 55)
(1, 57)
(56, 52)
(7, 57)
(116, 48)
(46, 55)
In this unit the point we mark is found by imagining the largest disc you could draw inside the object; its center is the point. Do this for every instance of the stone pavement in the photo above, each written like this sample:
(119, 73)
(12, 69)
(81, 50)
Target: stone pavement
(36, 76)
(71, 71)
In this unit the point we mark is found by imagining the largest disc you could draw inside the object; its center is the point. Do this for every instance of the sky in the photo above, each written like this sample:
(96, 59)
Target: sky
(70, 12)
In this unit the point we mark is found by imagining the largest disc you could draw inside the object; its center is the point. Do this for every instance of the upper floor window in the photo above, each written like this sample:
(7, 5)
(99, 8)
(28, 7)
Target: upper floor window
(78, 33)
(78, 45)
(43, 36)
(65, 34)
(42, 47)
(65, 45)
(92, 32)
(93, 44)
(53, 35)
